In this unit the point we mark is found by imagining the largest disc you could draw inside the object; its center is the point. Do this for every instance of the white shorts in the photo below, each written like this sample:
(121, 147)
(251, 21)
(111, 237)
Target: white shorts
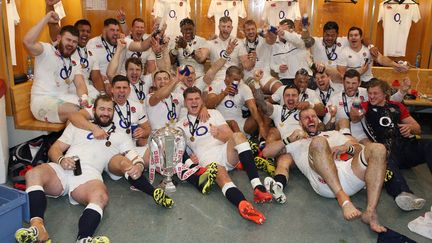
(140, 150)
(220, 158)
(70, 182)
(45, 108)
(350, 183)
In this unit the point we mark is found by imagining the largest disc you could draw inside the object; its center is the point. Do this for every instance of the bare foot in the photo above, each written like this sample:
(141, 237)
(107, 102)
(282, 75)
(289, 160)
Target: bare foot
(350, 212)
(371, 218)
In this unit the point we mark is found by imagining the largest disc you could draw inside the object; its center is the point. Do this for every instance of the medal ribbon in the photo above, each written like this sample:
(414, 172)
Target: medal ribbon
(139, 91)
(108, 50)
(345, 103)
(325, 98)
(126, 120)
(172, 111)
(194, 127)
(286, 114)
(83, 58)
(330, 54)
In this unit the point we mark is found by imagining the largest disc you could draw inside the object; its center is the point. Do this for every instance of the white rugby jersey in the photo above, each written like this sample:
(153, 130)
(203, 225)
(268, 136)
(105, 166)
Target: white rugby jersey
(231, 106)
(353, 60)
(308, 95)
(216, 48)
(172, 11)
(54, 74)
(103, 51)
(328, 55)
(292, 52)
(263, 55)
(275, 12)
(185, 58)
(94, 153)
(160, 114)
(290, 123)
(145, 56)
(233, 9)
(397, 19)
(205, 146)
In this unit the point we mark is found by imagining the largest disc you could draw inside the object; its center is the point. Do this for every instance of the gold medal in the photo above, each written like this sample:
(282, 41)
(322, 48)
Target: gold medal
(281, 124)
(329, 62)
(172, 121)
(128, 131)
(68, 81)
(107, 143)
(142, 101)
(83, 65)
(192, 139)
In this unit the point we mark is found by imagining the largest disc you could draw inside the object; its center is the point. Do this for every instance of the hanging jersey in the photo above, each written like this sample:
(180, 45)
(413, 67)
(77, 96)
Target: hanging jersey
(233, 9)
(328, 55)
(275, 12)
(12, 19)
(353, 60)
(172, 12)
(397, 19)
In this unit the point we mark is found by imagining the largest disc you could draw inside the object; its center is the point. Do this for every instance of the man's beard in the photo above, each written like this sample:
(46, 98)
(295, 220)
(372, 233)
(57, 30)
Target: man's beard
(62, 50)
(99, 122)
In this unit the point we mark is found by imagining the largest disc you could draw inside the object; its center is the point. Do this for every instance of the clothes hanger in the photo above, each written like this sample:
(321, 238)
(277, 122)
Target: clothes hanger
(399, 2)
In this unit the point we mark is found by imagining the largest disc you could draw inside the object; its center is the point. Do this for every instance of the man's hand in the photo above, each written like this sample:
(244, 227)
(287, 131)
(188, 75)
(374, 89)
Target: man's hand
(374, 51)
(231, 45)
(258, 75)
(214, 131)
(252, 55)
(320, 67)
(121, 43)
(180, 42)
(138, 133)
(52, 17)
(401, 68)
(283, 68)
(68, 163)
(338, 150)
(405, 85)
(121, 15)
(135, 171)
(203, 114)
(355, 114)
(99, 133)
(405, 130)
(303, 105)
(364, 68)
(297, 135)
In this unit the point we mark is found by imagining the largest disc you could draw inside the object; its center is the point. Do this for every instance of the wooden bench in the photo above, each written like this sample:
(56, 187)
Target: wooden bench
(20, 99)
(421, 80)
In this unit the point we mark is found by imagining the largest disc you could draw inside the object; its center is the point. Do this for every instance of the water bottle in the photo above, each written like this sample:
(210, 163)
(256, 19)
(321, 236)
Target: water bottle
(357, 104)
(272, 29)
(305, 22)
(30, 72)
(418, 58)
(184, 70)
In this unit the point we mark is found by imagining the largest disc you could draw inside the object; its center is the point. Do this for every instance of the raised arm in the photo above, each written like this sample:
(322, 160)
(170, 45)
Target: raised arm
(54, 28)
(219, 63)
(114, 63)
(30, 41)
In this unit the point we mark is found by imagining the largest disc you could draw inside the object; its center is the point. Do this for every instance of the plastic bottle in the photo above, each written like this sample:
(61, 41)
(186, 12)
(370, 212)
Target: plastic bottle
(235, 85)
(418, 59)
(30, 72)
(305, 21)
(357, 104)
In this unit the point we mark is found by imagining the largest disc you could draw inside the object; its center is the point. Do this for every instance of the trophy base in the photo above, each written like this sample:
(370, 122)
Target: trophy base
(167, 186)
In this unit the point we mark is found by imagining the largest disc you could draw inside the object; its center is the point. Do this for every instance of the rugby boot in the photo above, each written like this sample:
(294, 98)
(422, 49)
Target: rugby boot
(35, 233)
(276, 189)
(253, 146)
(162, 198)
(207, 179)
(249, 212)
(265, 165)
(261, 197)
(408, 201)
(94, 239)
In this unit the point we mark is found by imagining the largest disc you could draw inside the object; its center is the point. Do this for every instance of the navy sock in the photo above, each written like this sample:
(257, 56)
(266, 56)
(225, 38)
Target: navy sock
(246, 158)
(88, 223)
(281, 178)
(142, 184)
(38, 203)
(235, 196)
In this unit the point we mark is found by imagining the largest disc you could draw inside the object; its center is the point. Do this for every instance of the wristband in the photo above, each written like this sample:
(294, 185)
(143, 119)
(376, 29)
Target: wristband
(60, 159)
(286, 141)
(225, 55)
(106, 81)
(158, 55)
(350, 150)
(139, 162)
(122, 21)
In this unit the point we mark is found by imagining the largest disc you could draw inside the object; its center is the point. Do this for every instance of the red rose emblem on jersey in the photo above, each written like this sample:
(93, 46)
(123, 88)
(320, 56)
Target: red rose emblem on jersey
(176, 101)
(185, 123)
(362, 98)
(234, 3)
(218, 3)
(364, 54)
(406, 6)
(90, 53)
(133, 109)
(181, 4)
(340, 103)
(273, 5)
(99, 46)
(339, 44)
(289, 4)
(389, 7)
(73, 63)
(210, 88)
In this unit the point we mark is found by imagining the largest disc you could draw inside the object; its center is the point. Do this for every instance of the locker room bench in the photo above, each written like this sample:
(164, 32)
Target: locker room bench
(421, 80)
(20, 99)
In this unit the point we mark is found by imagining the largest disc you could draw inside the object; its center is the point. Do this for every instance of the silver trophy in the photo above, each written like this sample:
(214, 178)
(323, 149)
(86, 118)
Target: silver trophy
(167, 146)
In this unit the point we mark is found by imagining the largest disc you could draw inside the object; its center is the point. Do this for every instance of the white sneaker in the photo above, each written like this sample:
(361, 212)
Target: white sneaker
(276, 189)
(408, 201)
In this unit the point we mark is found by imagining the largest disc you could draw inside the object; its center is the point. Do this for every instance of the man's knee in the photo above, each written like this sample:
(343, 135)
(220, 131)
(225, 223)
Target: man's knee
(375, 150)
(318, 144)
(99, 197)
(38, 173)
